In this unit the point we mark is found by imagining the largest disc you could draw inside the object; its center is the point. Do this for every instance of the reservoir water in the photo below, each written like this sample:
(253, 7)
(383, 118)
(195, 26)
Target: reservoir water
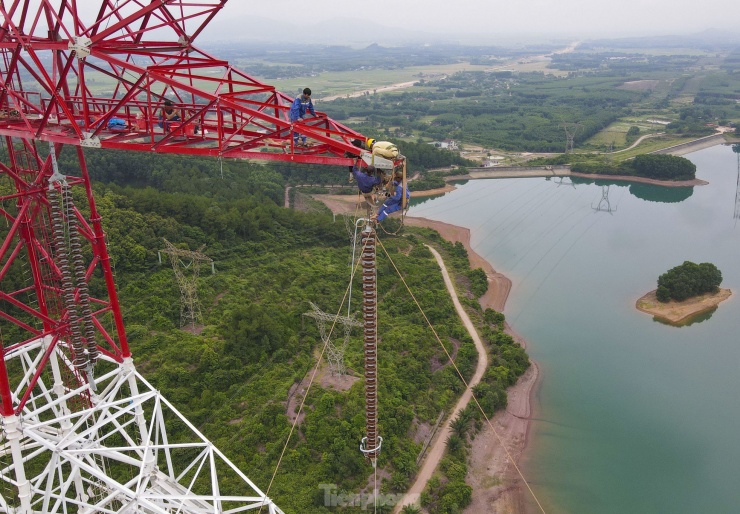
(632, 415)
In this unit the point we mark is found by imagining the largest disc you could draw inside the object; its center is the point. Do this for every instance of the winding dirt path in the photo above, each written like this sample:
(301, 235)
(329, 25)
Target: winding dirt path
(436, 451)
(638, 141)
(499, 285)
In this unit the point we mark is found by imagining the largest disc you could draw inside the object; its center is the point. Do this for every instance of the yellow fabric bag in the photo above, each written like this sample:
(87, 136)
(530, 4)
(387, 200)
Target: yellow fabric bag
(385, 149)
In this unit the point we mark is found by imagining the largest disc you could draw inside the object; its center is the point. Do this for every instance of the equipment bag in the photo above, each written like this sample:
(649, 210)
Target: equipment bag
(385, 149)
(117, 124)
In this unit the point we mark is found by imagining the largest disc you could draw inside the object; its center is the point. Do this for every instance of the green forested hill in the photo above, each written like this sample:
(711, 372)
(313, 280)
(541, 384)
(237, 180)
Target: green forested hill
(233, 377)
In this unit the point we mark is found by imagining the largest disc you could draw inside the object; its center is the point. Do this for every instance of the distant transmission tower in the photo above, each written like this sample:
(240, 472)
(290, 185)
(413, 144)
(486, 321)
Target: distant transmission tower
(335, 354)
(571, 129)
(604, 205)
(561, 182)
(186, 261)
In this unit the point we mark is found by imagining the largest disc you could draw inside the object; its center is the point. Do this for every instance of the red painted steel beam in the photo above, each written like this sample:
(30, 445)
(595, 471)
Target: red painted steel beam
(125, 43)
(51, 54)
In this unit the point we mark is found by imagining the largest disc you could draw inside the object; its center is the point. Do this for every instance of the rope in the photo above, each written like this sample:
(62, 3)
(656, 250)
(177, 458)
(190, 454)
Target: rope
(501, 442)
(308, 389)
(375, 488)
(403, 214)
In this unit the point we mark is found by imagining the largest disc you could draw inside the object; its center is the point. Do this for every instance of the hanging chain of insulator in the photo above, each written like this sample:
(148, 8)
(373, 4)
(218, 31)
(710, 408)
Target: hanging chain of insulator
(83, 291)
(371, 443)
(79, 358)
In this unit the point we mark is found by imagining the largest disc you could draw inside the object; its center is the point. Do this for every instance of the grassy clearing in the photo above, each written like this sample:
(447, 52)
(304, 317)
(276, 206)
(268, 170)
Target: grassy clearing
(345, 82)
(650, 145)
(616, 133)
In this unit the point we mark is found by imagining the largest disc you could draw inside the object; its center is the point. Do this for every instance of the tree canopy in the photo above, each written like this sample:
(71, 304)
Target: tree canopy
(661, 166)
(687, 280)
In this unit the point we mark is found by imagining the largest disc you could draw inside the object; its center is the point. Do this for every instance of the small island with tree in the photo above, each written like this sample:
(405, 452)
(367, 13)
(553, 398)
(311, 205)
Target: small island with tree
(684, 292)
(661, 167)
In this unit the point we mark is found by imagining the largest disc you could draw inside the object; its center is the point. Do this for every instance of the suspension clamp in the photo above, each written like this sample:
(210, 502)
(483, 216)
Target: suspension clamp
(377, 161)
(80, 45)
(89, 141)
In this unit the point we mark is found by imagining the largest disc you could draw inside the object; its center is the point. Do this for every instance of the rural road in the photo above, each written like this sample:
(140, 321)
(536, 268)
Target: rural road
(391, 87)
(638, 141)
(436, 451)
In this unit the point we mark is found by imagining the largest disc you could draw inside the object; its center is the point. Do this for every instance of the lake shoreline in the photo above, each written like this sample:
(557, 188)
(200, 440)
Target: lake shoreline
(496, 484)
(642, 180)
(679, 313)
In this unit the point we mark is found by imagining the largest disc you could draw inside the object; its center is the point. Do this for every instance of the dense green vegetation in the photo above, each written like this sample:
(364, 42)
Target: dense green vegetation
(274, 60)
(665, 167)
(234, 374)
(687, 280)
(509, 111)
(655, 166)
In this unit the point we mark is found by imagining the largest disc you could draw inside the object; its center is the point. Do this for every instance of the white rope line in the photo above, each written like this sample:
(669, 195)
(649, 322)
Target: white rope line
(500, 440)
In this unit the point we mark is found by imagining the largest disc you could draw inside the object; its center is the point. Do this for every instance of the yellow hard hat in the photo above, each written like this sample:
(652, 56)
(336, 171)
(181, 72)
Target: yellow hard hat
(369, 143)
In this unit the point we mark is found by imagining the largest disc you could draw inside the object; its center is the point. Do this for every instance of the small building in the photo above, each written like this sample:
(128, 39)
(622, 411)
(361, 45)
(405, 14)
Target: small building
(493, 160)
(447, 144)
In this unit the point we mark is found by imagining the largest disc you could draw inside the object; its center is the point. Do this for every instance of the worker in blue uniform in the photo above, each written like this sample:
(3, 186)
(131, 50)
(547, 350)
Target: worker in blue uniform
(394, 203)
(367, 179)
(301, 105)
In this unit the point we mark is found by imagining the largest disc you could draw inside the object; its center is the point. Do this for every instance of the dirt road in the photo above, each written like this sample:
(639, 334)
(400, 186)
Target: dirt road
(382, 89)
(438, 447)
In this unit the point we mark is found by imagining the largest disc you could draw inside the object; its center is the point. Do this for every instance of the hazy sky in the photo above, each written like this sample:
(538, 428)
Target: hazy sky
(578, 17)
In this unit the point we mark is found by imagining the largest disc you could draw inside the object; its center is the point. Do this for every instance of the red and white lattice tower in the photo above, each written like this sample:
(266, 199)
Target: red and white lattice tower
(82, 431)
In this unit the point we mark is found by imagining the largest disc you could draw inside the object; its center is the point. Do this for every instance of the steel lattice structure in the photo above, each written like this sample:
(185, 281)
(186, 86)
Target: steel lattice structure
(82, 431)
(334, 353)
(189, 303)
(110, 452)
(55, 55)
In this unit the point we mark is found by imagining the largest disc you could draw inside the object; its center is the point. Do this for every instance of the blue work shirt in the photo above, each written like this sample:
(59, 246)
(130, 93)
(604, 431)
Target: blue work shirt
(365, 182)
(300, 105)
(393, 203)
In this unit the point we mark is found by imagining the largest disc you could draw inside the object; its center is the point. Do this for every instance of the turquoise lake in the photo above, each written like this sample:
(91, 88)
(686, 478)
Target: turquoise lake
(631, 415)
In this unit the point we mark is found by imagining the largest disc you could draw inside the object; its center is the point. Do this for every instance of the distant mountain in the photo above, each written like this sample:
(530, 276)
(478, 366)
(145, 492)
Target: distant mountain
(340, 31)
(358, 33)
(703, 39)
